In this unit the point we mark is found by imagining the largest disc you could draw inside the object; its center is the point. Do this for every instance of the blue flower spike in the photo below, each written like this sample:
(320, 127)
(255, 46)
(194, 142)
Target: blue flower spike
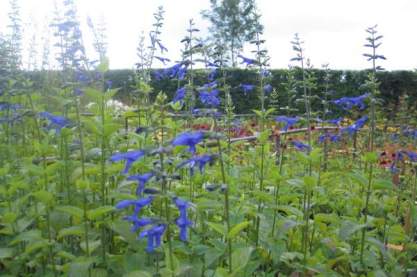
(130, 157)
(190, 139)
(182, 221)
(142, 180)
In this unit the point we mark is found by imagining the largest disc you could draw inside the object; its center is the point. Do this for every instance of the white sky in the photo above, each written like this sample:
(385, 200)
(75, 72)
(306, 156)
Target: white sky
(333, 30)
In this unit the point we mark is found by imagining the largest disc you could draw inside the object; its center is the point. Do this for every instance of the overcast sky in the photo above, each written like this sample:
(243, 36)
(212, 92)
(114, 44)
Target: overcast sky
(333, 30)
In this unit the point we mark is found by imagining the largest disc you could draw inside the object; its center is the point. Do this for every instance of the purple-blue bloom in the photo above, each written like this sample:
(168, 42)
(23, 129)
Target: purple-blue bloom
(161, 46)
(411, 155)
(301, 146)
(212, 75)
(247, 88)
(199, 161)
(138, 223)
(268, 88)
(335, 121)
(56, 121)
(355, 126)
(247, 61)
(130, 157)
(162, 59)
(347, 103)
(265, 73)
(139, 204)
(289, 121)
(188, 139)
(180, 95)
(331, 137)
(210, 97)
(182, 221)
(142, 180)
(154, 235)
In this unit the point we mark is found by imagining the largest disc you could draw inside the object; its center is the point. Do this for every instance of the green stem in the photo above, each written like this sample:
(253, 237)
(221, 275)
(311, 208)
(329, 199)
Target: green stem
(226, 199)
(365, 211)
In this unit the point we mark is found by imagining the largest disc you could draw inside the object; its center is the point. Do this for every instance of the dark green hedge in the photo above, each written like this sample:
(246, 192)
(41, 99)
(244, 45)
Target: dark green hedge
(343, 83)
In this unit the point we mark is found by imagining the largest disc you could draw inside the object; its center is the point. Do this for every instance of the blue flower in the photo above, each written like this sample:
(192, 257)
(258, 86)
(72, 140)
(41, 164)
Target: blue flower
(301, 146)
(180, 95)
(289, 121)
(268, 88)
(182, 221)
(411, 155)
(154, 235)
(130, 157)
(5, 105)
(247, 61)
(56, 121)
(78, 92)
(178, 71)
(188, 139)
(109, 84)
(199, 161)
(247, 88)
(209, 97)
(161, 46)
(142, 180)
(162, 59)
(265, 73)
(335, 121)
(138, 222)
(355, 126)
(138, 204)
(212, 75)
(347, 103)
(330, 137)
(207, 112)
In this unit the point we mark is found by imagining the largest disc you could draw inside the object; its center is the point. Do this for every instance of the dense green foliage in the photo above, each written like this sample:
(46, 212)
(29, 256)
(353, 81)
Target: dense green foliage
(394, 84)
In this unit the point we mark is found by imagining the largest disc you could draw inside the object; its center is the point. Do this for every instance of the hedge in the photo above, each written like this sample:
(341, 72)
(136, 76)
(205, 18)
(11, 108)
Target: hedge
(393, 85)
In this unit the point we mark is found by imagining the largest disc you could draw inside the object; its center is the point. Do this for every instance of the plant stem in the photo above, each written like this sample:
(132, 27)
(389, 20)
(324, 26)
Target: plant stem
(365, 211)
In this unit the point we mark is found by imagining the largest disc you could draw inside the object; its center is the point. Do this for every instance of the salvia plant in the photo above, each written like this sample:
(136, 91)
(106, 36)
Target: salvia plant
(177, 184)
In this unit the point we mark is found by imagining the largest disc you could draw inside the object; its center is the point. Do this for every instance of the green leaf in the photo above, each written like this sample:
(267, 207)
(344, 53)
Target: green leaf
(237, 228)
(35, 246)
(92, 245)
(99, 212)
(80, 267)
(370, 157)
(104, 65)
(44, 196)
(138, 273)
(219, 228)
(212, 255)
(29, 236)
(6, 253)
(264, 137)
(71, 231)
(348, 228)
(240, 258)
(71, 210)
(382, 184)
(175, 263)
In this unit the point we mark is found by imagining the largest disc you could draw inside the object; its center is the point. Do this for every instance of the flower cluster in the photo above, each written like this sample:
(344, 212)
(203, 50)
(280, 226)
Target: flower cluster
(347, 103)
(289, 121)
(356, 126)
(55, 121)
(154, 228)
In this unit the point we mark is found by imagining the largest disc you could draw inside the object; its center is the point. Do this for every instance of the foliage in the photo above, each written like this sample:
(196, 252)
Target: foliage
(234, 22)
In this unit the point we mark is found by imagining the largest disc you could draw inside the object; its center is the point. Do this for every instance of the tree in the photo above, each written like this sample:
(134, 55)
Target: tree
(15, 35)
(233, 22)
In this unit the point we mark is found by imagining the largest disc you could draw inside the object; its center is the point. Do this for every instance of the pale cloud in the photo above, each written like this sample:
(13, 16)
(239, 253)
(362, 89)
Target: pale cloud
(333, 30)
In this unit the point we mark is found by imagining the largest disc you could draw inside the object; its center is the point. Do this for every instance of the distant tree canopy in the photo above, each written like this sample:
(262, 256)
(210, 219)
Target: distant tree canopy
(233, 22)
